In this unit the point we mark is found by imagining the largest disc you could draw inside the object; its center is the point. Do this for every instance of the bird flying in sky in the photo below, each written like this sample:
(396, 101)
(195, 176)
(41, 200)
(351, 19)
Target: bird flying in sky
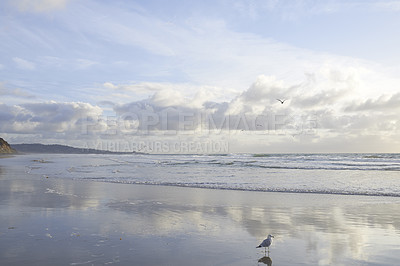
(281, 101)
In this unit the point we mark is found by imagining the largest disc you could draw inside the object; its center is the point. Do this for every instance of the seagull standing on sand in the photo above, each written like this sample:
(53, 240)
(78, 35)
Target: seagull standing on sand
(266, 243)
(281, 101)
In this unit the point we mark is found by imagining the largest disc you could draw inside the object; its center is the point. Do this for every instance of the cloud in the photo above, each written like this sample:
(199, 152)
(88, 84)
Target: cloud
(201, 50)
(24, 64)
(133, 27)
(295, 10)
(383, 103)
(156, 89)
(53, 62)
(195, 49)
(39, 6)
(169, 108)
(312, 117)
(47, 118)
(288, 10)
(251, 121)
(319, 90)
(141, 87)
(17, 92)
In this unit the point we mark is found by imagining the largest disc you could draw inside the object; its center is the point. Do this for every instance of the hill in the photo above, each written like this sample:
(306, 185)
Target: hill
(5, 148)
(63, 149)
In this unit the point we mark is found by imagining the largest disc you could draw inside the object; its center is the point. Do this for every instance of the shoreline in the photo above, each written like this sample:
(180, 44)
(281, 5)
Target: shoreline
(388, 195)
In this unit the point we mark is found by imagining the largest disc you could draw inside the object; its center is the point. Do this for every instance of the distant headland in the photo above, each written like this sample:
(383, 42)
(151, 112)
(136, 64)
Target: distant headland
(6, 148)
(57, 148)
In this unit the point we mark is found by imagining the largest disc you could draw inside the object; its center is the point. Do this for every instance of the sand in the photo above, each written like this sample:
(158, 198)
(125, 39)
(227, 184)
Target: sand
(47, 221)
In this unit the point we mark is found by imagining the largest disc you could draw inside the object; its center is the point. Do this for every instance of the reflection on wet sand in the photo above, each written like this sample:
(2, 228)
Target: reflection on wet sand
(329, 231)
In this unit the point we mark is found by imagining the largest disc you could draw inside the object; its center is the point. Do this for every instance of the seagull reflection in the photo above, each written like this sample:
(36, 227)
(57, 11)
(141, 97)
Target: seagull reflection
(266, 260)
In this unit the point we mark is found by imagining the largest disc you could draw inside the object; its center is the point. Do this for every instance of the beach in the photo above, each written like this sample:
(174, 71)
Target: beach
(53, 221)
(197, 133)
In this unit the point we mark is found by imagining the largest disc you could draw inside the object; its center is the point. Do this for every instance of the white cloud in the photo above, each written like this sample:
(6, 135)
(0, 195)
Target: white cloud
(140, 90)
(319, 121)
(111, 24)
(24, 64)
(39, 6)
(48, 118)
(294, 10)
(254, 121)
(288, 10)
(383, 103)
(197, 49)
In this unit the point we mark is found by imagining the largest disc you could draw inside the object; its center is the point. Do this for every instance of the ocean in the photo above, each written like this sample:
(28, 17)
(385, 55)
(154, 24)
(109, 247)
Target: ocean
(350, 174)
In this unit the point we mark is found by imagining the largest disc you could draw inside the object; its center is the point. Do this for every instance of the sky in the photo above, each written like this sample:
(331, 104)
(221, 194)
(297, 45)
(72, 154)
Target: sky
(202, 76)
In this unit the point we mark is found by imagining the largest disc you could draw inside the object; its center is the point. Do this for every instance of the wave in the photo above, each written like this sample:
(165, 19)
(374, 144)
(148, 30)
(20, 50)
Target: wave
(262, 155)
(349, 174)
(382, 156)
(301, 166)
(330, 168)
(224, 186)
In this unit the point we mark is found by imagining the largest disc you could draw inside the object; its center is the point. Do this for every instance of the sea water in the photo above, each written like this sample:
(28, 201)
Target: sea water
(353, 174)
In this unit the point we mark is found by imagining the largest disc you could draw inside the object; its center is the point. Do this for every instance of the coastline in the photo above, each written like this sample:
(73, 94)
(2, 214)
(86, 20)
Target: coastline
(47, 221)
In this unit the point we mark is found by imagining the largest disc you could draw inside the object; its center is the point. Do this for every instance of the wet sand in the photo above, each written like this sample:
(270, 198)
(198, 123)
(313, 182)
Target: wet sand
(47, 221)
